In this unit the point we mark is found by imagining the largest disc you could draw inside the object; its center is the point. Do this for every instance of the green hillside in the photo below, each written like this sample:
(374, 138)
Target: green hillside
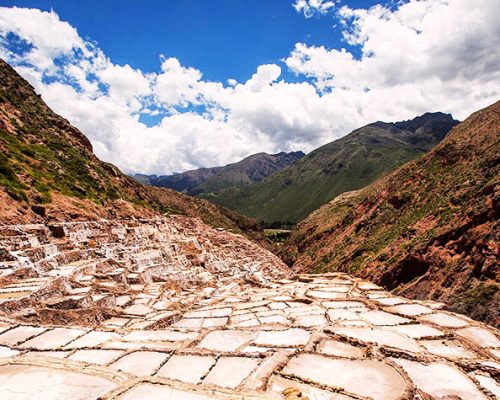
(429, 230)
(347, 164)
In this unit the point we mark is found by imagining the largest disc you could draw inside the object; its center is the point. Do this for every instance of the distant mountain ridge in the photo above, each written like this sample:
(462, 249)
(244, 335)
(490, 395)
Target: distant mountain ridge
(349, 163)
(206, 181)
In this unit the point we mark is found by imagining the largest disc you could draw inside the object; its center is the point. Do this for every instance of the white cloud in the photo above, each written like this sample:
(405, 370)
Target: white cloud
(311, 7)
(52, 36)
(429, 54)
(414, 58)
(177, 85)
(125, 83)
(265, 75)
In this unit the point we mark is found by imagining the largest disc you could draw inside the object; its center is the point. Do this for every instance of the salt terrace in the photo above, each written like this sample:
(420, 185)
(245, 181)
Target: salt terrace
(169, 308)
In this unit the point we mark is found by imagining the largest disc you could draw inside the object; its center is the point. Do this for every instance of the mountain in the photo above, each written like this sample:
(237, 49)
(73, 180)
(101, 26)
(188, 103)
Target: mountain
(429, 230)
(207, 181)
(349, 163)
(49, 172)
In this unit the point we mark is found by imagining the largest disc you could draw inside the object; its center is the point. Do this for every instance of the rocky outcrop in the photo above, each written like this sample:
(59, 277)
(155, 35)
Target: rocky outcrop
(48, 172)
(430, 230)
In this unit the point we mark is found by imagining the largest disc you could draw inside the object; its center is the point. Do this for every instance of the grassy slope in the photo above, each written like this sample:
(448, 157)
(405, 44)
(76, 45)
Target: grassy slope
(344, 165)
(429, 230)
(43, 159)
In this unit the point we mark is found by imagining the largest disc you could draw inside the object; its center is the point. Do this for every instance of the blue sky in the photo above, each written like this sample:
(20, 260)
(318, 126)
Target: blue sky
(167, 86)
(223, 38)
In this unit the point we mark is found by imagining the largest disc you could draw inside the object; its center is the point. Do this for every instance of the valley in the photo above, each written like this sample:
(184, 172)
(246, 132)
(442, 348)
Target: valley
(110, 289)
(288, 195)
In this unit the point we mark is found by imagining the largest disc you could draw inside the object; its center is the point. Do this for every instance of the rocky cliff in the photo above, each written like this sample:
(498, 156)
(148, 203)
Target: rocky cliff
(429, 230)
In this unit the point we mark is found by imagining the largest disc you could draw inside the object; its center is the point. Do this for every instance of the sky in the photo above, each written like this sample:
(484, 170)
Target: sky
(166, 86)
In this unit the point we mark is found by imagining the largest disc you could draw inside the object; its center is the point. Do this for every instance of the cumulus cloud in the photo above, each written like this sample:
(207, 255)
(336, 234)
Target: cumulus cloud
(423, 50)
(177, 85)
(265, 75)
(313, 7)
(52, 36)
(414, 58)
(125, 83)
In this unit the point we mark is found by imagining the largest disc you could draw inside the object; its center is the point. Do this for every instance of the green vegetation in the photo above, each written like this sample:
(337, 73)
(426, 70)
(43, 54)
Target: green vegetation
(277, 235)
(479, 295)
(10, 181)
(347, 164)
(54, 165)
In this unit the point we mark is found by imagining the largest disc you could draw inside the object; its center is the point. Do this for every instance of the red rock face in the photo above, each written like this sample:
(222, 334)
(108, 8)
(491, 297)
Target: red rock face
(428, 230)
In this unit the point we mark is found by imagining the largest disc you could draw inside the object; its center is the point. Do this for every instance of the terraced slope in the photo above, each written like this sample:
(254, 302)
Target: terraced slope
(49, 172)
(168, 309)
(347, 164)
(429, 230)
